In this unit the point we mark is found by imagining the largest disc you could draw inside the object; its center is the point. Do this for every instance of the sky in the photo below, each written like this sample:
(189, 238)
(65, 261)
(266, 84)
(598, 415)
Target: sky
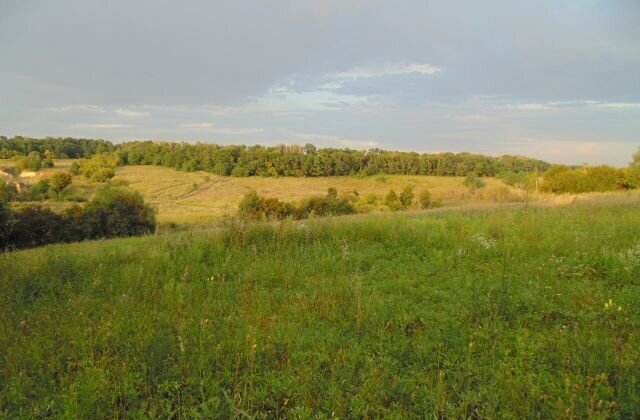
(553, 79)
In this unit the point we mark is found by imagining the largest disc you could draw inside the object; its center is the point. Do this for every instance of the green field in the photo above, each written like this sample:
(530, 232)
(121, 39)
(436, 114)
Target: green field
(478, 314)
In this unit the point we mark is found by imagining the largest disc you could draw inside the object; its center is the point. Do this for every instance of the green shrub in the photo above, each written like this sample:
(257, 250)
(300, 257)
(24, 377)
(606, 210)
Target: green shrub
(59, 181)
(407, 196)
(425, 199)
(5, 225)
(562, 179)
(100, 168)
(35, 226)
(8, 191)
(116, 211)
(473, 182)
(31, 162)
(392, 201)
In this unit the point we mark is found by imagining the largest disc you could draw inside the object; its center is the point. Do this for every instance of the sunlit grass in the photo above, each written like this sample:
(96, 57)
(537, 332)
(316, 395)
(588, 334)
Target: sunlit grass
(485, 314)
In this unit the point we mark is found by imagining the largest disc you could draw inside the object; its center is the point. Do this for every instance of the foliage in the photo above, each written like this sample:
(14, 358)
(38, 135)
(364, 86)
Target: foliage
(36, 192)
(5, 224)
(406, 196)
(113, 212)
(309, 161)
(100, 168)
(57, 147)
(392, 201)
(425, 199)
(473, 181)
(31, 162)
(485, 314)
(633, 172)
(34, 226)
(59, 181)
(255, 207)
(8, 191)
(562, 179)
(240, 160)
(116, 211)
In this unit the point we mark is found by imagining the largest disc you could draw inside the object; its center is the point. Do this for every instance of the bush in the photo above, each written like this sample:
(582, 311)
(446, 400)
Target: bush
(562, 179)
(425, 199)
(5, 225)
(32, 162)
(473, 182)
(116, 211)
(8, 191)
(406, 196)
(113, 212)
(325, 206)
(255, 207)
(59, 181)
(35, 226)
(392, 201)
(37, 192)
(100, 168)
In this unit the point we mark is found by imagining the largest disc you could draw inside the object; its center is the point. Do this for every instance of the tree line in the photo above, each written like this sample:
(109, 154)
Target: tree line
(294, 160)
(58, 147)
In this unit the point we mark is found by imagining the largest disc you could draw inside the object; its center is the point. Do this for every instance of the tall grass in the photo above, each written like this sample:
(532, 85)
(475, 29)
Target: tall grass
(462, 315)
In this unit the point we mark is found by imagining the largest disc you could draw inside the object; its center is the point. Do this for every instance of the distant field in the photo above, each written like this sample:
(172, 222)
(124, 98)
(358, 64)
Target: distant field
(458, 314)
(200, 197)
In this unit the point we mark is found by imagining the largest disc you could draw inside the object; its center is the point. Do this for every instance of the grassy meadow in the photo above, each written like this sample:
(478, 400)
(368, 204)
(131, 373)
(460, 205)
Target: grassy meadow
(196, 198)
(501, 313)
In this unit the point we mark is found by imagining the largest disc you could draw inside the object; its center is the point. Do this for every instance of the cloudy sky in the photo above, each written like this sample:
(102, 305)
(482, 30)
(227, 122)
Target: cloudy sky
(555, 79)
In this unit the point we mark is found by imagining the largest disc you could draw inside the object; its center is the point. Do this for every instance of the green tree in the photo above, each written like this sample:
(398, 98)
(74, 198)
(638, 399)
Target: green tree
(407, 196)
(116, 212)
(59, 181)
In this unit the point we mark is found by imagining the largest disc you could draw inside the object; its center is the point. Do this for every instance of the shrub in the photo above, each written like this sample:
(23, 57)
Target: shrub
(35, 226)
(562, 179)
(59, 181)
(32, 162)
(392, 201)
(255, 207)
(8, 191)
(38, 191)
(100, 168)
(425, 199)
(75, 168)
(5, 225)
(406, 196)
(473, 182)
(116, 211)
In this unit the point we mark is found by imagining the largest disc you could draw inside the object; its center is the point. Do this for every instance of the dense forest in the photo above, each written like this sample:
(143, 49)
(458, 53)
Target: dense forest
(240, 160)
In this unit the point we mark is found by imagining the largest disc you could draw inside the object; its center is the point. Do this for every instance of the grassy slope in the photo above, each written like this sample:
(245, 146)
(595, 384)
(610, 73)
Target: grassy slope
(200, 197)
(188, 196)
(494, 314)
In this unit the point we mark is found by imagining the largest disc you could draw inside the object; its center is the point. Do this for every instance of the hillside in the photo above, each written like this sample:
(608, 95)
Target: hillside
(483, 314)
(201, 198)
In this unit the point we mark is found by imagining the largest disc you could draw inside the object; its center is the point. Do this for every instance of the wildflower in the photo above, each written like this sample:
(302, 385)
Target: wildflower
(484, 242)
